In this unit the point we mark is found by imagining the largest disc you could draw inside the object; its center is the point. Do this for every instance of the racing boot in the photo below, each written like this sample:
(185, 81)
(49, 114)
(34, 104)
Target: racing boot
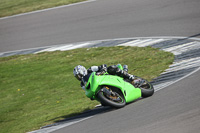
(135, 81)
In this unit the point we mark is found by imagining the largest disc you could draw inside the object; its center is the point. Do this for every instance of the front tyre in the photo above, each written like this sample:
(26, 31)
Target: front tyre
(111, 98)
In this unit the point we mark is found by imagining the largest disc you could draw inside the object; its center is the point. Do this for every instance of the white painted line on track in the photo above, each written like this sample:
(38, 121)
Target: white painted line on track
(129, 43)
(143, 42)
(170, 83)
(136, 42)
(64, 47)
(150, 37)
(59, 48)
(151, 42)
(177, 49)
(54, 48)
(76, 46)
(195, 45)
(184, 62)
(56, 127)
(181, 68)
(159, 87)
(43, 10)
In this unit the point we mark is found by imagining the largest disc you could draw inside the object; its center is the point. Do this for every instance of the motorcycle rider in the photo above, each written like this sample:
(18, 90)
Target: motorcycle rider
(80, 72)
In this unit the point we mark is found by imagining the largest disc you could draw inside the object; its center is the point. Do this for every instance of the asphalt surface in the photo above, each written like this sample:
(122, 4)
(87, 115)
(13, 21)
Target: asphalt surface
(101, 19)
(175, 108)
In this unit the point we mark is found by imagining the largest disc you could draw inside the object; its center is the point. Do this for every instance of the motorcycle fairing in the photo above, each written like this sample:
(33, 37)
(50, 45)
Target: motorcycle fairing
(95, 82)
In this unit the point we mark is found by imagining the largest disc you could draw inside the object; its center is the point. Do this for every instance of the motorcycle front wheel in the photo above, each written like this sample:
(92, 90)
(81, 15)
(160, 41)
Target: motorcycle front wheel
(111, 98)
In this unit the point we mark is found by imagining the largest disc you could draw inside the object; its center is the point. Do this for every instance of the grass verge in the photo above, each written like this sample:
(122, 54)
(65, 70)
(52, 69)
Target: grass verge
(39, 89)
(13, 7)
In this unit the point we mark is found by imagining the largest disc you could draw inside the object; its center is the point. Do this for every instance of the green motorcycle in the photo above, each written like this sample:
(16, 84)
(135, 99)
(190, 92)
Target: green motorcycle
(115, 91)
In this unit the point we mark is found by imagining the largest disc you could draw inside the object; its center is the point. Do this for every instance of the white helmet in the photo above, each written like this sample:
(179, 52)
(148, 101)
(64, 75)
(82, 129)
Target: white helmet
(79, 72)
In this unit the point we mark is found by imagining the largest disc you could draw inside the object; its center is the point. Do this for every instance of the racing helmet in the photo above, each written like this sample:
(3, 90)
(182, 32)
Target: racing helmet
(79, 72)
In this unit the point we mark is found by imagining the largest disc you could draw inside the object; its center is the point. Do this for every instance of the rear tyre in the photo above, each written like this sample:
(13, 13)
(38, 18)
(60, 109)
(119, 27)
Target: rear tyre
(111, 98)
(146, 87)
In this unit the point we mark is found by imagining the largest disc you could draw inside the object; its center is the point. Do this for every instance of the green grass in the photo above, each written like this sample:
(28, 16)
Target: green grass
(39, 89)
(12, 7)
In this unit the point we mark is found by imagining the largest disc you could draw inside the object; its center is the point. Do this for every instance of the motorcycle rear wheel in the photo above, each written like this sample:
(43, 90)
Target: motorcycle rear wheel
(146, 87)
(116, 101)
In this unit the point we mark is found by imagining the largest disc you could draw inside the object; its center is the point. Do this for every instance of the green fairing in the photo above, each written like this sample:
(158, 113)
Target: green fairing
(95, 82)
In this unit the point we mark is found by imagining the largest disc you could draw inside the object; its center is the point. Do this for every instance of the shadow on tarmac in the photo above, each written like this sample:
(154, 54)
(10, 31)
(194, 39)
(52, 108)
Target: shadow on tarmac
(86, 114)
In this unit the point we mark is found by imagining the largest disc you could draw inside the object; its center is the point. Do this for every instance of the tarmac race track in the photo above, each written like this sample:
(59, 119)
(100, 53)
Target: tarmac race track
(174, 109)
(99, 20)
